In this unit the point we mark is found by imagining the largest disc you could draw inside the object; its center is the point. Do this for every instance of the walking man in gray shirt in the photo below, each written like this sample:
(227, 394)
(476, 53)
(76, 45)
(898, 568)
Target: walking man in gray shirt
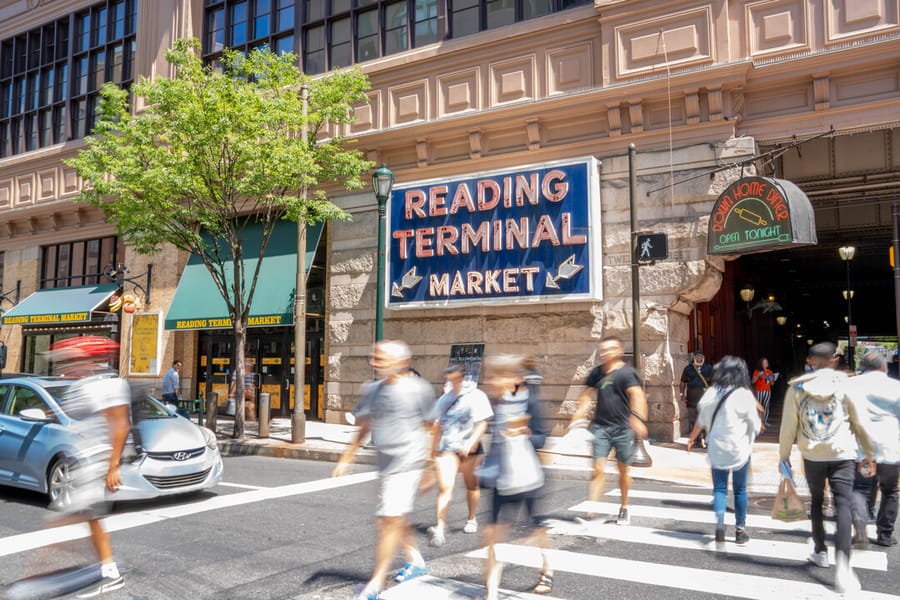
(394, 409)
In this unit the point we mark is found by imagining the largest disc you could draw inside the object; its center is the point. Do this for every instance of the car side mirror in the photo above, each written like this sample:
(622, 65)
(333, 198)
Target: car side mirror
(34, 414)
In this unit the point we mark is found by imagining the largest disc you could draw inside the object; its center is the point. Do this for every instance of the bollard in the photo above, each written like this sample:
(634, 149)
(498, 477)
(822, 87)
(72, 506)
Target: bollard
(263, 415)
(212, 410)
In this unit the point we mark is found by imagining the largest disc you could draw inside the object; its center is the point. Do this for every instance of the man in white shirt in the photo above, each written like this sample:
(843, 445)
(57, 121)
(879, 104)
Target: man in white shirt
(878, 396)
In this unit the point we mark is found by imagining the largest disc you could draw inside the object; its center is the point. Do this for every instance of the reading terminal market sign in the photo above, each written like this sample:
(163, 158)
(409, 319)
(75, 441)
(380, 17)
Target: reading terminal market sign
(527, 234)
(758, 214)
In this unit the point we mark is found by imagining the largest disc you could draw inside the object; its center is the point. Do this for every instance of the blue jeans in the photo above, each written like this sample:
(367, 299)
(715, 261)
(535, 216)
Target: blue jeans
(739, 485)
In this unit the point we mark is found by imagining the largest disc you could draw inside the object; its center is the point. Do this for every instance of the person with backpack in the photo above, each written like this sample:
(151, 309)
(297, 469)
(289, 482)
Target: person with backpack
(728, 414)
(826, 427)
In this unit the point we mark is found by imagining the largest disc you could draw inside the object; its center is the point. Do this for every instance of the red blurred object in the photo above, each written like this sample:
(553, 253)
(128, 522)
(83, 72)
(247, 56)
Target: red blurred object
(79, 348)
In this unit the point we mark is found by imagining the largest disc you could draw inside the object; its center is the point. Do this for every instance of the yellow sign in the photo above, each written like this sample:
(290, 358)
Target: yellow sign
(257, 321)
(145, 344)
(73, 317)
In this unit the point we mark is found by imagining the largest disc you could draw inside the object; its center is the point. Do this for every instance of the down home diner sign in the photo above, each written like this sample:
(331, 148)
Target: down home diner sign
(758, 214)
(527, 234)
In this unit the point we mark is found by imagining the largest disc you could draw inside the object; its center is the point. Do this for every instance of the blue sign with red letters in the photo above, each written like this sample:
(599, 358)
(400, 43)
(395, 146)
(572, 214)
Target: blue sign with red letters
(527, 234)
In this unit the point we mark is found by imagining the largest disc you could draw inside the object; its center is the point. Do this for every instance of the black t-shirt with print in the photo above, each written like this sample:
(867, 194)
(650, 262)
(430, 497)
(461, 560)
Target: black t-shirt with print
(613, 406)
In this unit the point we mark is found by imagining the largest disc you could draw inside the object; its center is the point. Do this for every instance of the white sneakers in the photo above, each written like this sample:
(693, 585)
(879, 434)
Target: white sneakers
(820, 559)
(845, 580)
(436, 536)
(470, 527)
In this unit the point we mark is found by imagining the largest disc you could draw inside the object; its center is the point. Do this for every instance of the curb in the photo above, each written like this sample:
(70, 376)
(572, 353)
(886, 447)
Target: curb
(293, 451)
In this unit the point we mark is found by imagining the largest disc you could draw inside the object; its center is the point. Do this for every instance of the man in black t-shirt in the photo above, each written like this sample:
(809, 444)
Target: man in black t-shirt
(619, 417)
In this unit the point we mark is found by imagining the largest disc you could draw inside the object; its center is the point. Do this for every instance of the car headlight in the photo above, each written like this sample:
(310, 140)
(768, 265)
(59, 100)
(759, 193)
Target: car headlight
(210, 438)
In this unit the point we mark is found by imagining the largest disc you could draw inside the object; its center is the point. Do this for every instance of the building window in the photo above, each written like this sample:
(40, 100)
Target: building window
(337, 33)
(244, 25)
(36, 94)
(79, 263)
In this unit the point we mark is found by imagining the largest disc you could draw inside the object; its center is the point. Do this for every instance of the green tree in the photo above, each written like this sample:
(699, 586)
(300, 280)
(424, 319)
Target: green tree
(215, 148)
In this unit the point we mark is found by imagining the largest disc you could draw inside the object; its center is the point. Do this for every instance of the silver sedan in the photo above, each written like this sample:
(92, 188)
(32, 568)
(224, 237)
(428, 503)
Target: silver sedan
(166, 454)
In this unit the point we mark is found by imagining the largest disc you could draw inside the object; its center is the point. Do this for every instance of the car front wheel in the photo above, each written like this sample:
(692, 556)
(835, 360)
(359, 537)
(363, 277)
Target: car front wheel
(59, 485)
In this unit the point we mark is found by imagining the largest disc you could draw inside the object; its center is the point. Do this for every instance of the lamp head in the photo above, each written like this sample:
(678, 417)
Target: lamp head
(747, 294)
(847, 252)
(382, 182)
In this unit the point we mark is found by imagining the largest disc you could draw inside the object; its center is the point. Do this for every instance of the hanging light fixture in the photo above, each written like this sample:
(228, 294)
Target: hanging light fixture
(747, 293)
(781, 320)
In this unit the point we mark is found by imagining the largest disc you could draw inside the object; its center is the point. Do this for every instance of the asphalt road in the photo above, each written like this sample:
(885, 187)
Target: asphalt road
(283, 529)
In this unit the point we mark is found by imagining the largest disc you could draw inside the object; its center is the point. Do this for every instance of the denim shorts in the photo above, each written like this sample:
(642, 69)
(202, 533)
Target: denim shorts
(607, 437)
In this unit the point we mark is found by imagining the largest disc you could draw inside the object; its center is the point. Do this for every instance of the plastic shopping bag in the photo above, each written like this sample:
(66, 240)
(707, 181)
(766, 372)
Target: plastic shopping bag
(788, 504)
(520, 469)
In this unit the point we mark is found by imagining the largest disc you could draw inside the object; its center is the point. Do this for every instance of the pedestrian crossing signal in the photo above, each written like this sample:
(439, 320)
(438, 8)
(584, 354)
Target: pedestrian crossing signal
(652, 246)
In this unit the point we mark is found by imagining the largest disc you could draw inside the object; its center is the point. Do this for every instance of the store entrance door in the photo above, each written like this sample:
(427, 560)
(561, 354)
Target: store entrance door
(269, 355)
(272, 362)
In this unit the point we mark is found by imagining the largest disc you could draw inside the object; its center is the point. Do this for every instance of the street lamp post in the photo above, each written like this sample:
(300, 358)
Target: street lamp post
(847, 253)
(382, 182)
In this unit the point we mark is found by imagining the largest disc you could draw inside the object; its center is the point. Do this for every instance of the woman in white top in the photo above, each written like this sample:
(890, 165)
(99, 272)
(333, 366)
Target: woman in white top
(460, 418)
(728, 414)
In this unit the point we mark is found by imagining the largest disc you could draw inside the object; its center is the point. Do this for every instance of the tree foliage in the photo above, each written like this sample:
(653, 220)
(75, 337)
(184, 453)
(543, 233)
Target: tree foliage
(216, 148)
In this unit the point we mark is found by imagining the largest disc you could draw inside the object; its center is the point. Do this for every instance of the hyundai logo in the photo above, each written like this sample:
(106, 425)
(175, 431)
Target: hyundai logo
(179, 456)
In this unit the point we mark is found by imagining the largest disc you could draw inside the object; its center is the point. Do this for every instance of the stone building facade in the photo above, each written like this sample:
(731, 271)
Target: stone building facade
(699, 87)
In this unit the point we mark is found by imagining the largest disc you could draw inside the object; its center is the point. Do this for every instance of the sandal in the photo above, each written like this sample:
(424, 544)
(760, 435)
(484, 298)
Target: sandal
(544, 584)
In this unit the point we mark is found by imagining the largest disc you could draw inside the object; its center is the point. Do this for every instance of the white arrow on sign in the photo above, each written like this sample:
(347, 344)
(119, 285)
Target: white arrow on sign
(566, 270)
(409, 280)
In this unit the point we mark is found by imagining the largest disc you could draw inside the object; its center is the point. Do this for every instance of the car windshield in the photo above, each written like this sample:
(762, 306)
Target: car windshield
(148, 407)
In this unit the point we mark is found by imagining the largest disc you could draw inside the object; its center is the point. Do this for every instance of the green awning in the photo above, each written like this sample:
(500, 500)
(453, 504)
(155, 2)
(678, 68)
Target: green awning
(199, 305)
(60, 305)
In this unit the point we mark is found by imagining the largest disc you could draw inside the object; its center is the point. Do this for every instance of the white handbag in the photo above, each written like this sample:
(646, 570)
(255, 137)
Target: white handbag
(520, 468)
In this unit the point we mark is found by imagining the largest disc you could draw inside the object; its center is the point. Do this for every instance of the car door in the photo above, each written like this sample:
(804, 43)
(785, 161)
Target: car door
(6, 449)
(25, 446)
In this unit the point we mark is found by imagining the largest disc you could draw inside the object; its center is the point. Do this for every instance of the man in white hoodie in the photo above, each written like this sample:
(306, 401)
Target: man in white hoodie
(826, 426)
(878, 395)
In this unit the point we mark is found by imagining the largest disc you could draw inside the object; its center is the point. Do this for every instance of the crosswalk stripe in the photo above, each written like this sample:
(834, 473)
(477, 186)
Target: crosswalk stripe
(434, 588)
(694, 516)
(699, 499)
(789, 551)
(31, 540)
(241, 485)
(682, 578)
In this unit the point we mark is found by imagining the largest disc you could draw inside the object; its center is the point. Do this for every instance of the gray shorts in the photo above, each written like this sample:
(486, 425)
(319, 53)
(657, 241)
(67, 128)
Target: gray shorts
(607, 437)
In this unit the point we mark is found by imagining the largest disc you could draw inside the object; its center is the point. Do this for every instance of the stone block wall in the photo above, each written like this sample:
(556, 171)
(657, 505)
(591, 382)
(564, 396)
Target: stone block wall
(563, 336)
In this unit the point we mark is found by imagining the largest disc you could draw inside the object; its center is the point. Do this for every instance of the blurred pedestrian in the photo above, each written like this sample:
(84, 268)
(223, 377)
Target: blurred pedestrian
(878, 396)
(249, 391)
(826, 427)
(517, 430)
(460, 419)
(533, 377)
(893, 368)
(395, 409)
(99, 402)
(620, 416)
(727, 412)
(763, 378)
(695, 378)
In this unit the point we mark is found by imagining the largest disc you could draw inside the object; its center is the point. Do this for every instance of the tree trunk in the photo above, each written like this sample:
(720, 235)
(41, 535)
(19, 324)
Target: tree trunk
(240, 340)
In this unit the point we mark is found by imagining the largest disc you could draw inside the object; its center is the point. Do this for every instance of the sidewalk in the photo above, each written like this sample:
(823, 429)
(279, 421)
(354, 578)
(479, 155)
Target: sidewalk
(671, 461)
